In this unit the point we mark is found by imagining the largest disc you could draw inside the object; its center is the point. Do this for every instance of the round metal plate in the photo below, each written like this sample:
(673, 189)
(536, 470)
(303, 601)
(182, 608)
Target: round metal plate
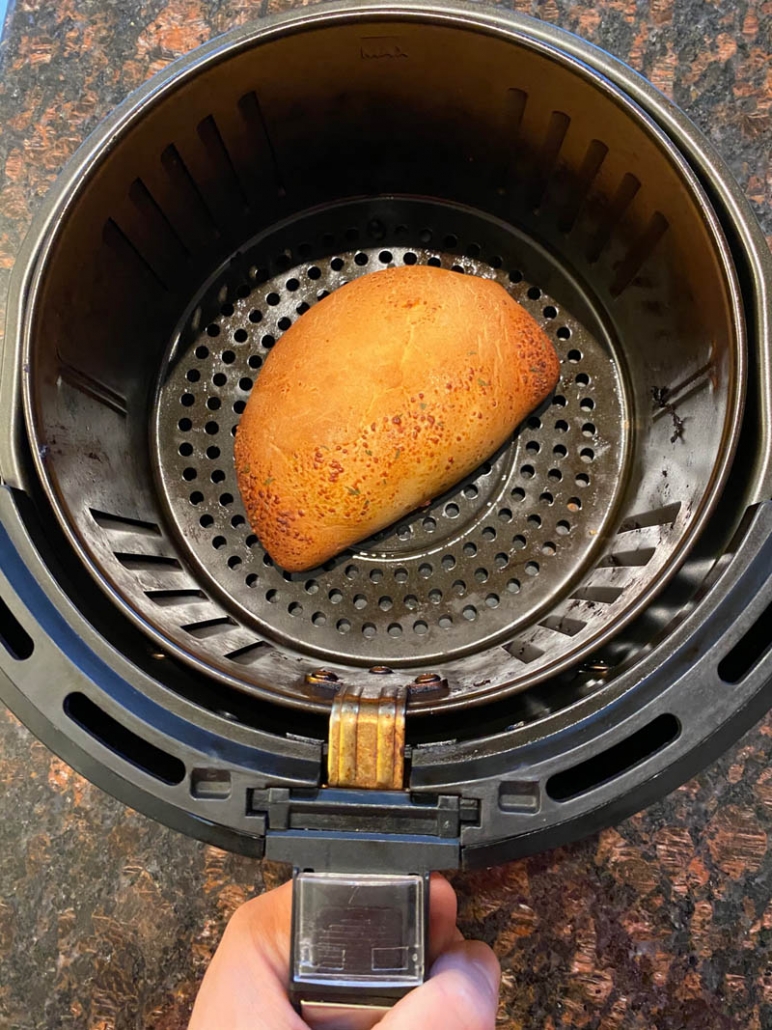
(475, 566)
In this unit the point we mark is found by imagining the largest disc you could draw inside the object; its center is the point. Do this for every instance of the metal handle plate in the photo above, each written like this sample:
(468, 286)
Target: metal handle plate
(358, 945)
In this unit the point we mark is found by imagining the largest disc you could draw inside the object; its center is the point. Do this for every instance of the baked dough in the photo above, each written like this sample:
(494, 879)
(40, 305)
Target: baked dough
(379, 398)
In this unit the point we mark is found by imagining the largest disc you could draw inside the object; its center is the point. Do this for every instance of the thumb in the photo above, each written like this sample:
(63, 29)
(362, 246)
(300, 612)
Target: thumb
(461, 994)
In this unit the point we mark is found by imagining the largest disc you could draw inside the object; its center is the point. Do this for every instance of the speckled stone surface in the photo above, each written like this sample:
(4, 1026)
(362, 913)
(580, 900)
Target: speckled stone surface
(107, 920)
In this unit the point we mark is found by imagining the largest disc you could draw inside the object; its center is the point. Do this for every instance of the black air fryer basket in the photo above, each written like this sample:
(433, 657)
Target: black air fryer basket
(578, 626)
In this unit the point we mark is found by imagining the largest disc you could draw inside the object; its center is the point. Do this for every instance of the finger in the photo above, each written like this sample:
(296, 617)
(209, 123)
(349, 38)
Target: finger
(245, 985)
(267, 922)
(241, 992)
(461, 994)
(443, 908)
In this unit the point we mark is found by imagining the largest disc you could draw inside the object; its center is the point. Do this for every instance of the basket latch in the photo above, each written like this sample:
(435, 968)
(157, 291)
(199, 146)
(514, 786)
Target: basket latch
(367, 739)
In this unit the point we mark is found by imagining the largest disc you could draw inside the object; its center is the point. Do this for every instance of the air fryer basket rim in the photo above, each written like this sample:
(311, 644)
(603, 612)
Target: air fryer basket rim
(370, 11)
(39, 605)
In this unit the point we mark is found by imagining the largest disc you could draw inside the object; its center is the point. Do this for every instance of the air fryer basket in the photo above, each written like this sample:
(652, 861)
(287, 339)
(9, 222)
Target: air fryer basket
(556, 186)
(215, 207)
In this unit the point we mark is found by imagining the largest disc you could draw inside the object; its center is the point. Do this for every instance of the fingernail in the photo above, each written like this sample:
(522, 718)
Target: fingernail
(489, 974)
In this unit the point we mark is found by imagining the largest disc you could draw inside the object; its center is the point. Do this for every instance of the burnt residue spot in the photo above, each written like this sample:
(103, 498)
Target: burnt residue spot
(661, 397)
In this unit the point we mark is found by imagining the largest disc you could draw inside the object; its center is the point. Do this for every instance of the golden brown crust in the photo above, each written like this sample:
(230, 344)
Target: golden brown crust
(378, 399)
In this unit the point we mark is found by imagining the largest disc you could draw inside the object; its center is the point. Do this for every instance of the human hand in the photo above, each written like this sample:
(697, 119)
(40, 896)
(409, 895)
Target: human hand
(245, 987)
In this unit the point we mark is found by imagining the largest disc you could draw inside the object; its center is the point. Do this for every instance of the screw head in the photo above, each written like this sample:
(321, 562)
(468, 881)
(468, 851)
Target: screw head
(428, 684)
(321, 676)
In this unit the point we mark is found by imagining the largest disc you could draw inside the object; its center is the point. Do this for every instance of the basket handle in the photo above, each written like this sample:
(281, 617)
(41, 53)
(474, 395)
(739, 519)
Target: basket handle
(359, 944)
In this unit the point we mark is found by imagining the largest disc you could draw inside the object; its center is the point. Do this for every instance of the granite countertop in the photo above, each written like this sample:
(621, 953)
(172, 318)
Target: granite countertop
(108, 920)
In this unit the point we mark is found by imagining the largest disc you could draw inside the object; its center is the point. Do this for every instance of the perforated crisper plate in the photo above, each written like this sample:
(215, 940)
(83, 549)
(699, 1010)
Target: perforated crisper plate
(478, 566)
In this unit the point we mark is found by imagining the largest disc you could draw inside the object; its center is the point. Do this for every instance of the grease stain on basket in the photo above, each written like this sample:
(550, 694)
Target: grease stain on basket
(379, 47)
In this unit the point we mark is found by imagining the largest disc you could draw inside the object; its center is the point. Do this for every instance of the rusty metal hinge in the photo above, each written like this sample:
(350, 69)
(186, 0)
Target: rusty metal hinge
(367, 739)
